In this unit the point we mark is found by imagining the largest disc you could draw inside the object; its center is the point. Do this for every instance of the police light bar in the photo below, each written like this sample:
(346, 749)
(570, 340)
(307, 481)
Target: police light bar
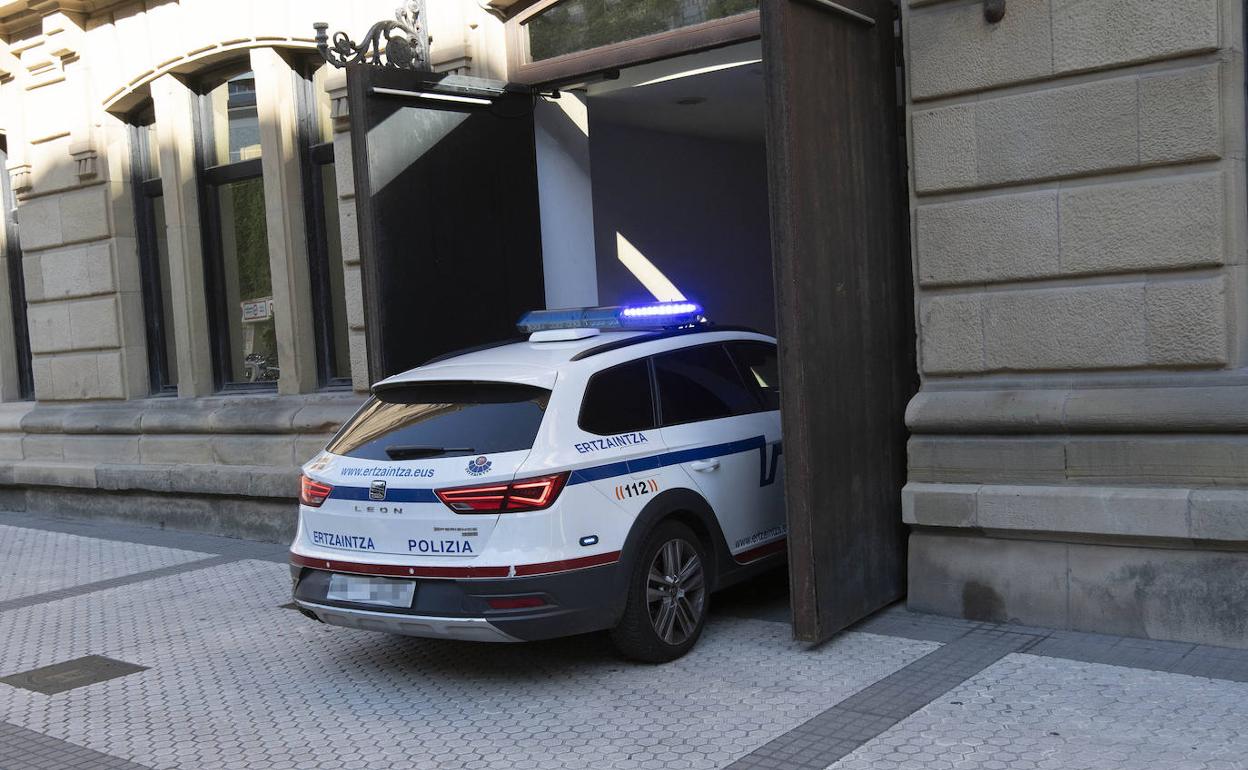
(649, 315)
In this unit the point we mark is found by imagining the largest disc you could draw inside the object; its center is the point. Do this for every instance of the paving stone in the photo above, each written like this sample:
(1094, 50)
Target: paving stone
(1028, 711)
(295, 693)
(233, 680)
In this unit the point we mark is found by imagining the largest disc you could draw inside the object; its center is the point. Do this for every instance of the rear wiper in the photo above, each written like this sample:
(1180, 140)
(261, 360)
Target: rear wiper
(414, 451)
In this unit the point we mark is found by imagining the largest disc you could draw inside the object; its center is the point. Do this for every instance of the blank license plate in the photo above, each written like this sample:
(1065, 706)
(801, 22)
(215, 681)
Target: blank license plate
(371, 590)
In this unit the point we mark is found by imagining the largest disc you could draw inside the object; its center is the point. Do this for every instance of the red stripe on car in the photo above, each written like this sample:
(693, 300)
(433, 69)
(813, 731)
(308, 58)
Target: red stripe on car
(568, 564)
(395, 570)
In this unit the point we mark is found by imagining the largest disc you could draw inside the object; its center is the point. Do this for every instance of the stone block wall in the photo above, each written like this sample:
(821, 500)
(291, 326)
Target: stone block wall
(1078, 446)
(184, 463)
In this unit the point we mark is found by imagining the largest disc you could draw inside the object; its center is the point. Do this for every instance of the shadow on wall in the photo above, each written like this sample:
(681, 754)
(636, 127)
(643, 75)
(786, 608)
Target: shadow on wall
(697, 209)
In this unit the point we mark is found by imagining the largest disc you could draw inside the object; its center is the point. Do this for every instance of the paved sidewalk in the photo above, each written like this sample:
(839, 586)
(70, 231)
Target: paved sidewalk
(172, 650)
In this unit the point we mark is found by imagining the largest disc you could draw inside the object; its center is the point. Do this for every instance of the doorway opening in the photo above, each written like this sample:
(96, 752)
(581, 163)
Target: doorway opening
(653, 186)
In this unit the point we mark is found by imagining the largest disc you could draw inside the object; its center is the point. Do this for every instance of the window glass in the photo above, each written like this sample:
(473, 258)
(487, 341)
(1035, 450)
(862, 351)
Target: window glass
(700, 383)
(329, 300)
(579, 25)
(320, 97)
(444, 419)
(248, 283)
(160, 246)
(146, 148)
(10, 249)
(618, 400)
(758, 365)
(150, 149)
(340, 363)
(153, 244)
(235, 123)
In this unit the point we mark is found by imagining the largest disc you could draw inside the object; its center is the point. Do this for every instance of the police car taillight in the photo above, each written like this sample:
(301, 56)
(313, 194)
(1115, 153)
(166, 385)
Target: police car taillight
(313, 493)
(524, 495)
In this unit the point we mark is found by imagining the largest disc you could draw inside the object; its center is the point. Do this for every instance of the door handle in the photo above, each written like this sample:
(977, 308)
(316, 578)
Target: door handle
(705, 465)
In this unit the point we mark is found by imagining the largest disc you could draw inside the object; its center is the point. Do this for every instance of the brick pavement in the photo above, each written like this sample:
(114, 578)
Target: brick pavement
(231, 679)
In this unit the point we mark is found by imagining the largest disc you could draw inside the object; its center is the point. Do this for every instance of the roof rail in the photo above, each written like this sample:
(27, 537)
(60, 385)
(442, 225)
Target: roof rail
(607, 347)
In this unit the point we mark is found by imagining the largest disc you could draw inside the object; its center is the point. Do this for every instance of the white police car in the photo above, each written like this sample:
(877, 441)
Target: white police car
(608, 473)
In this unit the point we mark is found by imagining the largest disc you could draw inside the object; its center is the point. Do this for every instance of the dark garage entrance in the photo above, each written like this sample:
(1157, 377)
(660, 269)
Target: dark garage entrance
(462, 229)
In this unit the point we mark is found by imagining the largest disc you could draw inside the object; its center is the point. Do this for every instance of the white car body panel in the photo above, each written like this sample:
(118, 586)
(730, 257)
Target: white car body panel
(601, 501)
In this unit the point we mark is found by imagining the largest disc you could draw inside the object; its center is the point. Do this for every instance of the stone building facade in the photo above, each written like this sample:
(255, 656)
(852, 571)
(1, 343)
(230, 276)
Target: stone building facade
(151, 388)
(1078, 454)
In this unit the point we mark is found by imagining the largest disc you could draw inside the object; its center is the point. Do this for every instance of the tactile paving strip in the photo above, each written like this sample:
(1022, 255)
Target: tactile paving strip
(867, 713)
(22, 749)
(39, 562)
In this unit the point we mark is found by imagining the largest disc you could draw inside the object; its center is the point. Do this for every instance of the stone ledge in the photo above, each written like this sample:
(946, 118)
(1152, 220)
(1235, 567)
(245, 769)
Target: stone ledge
(1153, 460)
(12, 413)
(1199, 409)
(246, 414)
(224, 480)
(1148, 512)
(270, 520)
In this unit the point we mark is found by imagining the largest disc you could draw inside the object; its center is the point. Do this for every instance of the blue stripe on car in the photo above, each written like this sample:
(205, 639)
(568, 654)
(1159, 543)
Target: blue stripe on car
(767, 474)
(643, 464)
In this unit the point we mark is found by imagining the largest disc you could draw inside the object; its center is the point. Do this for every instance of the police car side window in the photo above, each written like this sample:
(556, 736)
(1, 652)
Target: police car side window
(618, 400)
(700, 383)
(758, 365)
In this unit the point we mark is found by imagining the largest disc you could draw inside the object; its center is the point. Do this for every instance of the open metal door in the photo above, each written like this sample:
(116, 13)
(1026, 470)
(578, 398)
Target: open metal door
(843, 302)
(446, 195)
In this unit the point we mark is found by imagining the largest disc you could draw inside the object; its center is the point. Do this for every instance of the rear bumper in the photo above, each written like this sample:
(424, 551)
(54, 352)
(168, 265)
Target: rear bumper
(465, 629)
(574, 602)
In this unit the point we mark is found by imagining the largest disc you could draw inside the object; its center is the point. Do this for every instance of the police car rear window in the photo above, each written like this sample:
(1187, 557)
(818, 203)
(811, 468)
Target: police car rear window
(443, 419)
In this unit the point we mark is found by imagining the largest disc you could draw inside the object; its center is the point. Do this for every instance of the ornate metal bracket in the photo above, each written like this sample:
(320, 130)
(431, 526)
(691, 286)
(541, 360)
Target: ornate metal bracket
(402, 43)
(994, 11)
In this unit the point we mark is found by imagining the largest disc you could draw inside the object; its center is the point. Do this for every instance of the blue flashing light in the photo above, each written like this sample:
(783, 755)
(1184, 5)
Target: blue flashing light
(689, 310)
(648, 315)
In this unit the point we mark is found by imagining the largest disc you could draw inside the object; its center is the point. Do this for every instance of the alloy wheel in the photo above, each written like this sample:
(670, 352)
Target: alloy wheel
(676, 591)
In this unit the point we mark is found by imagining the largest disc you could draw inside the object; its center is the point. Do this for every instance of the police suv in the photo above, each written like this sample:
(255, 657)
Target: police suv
(608, 473)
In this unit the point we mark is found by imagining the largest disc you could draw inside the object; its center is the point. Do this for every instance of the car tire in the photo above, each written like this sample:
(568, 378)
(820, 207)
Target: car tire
(668, 594)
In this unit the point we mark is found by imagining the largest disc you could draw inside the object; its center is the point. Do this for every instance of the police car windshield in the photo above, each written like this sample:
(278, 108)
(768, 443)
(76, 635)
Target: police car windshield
(443, 419)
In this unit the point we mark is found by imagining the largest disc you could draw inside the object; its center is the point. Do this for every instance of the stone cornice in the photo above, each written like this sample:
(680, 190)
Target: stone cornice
(18, 15)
